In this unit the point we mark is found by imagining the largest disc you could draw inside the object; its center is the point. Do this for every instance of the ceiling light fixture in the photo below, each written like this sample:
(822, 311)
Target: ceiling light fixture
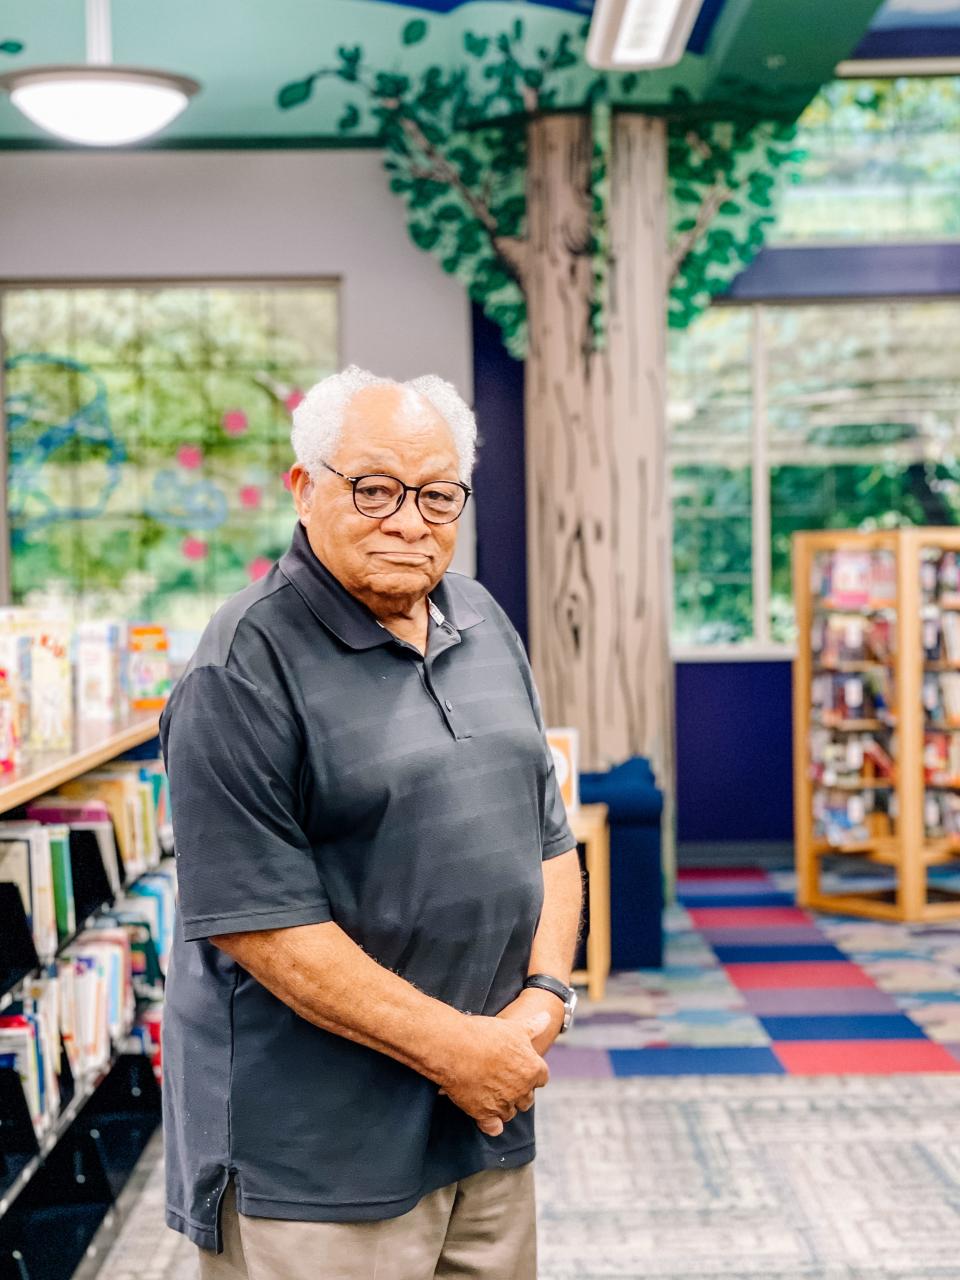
(96, 103)
(640, 34)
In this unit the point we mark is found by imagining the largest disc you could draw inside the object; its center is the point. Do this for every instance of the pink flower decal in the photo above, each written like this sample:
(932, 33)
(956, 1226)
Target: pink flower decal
(234, 422)
(257, 567)
(190, 456)
(194, 548)
(293, 399)
(250, 495)
(287, 482)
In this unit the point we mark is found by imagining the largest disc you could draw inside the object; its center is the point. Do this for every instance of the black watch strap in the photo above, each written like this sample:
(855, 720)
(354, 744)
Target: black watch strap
(546, 983)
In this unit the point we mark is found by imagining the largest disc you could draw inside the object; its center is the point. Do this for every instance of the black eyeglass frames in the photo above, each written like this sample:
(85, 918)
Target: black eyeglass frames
(378, 496)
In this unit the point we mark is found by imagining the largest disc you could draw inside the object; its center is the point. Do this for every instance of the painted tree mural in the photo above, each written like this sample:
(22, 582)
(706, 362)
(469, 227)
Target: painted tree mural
(455, 139)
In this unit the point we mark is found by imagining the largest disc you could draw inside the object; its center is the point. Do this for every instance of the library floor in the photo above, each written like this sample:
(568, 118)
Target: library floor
(781, 1101)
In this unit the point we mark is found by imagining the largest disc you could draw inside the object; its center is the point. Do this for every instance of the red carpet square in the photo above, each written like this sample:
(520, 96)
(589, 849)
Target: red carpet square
(864, 1057)
(745, 917)
(769, 977)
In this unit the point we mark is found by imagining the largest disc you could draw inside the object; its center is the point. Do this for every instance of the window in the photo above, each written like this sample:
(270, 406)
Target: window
(883, 163)
(787, 417)
(148, 440)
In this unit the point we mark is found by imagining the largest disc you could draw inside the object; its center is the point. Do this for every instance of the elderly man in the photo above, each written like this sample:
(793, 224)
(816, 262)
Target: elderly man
(379, 891)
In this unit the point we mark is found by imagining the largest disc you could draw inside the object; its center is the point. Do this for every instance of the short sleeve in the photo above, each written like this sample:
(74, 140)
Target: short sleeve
(556, 837)
(233, 759)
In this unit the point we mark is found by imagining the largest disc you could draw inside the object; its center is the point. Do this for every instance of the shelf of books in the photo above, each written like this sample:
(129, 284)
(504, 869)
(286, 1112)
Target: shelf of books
(876, 701)
(86, 920)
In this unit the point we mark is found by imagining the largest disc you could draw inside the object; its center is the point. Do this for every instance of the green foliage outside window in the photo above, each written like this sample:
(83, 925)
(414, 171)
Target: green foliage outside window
(148, 440)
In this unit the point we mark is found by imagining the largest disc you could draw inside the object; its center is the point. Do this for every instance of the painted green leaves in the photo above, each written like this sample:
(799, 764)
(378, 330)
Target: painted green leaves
(11, 46)
(414, 31)
(295, 93)
(725, 178)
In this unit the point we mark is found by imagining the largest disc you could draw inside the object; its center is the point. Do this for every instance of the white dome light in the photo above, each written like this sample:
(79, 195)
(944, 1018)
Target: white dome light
(96, 103)
(101, 106)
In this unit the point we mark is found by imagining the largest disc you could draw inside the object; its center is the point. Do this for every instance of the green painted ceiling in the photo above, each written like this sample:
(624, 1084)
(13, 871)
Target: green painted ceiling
(761, 55)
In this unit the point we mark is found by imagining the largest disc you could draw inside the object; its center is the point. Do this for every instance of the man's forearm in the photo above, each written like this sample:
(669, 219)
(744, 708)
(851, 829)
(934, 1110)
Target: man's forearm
(327, 979)
(485, 1066)
(554, 944)
(555, 941)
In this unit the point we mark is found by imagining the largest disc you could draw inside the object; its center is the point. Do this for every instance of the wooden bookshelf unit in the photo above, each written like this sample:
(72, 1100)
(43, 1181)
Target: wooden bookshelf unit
(876, 707)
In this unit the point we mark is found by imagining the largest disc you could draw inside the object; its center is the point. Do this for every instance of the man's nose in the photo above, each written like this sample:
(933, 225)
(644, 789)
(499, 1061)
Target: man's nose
(406, 520)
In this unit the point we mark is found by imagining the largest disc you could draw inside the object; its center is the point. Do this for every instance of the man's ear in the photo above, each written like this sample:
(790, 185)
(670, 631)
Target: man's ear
(302, 487)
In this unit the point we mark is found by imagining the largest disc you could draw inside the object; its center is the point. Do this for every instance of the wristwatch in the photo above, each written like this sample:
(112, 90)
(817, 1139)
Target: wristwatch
(559, 989)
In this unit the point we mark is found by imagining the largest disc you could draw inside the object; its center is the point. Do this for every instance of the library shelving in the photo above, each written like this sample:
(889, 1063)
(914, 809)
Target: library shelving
(876, 722)
(58, 1184)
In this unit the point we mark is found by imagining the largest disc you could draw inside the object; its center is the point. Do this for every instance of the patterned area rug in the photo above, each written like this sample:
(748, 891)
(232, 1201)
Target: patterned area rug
(752, 985)
(769, 1178)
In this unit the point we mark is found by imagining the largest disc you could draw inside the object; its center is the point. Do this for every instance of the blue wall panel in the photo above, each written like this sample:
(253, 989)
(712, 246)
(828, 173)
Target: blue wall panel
(734, 751)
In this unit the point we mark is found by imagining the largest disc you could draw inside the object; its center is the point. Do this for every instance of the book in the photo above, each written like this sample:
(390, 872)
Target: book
(100, 696)
(43, 912)
(148, 667)
(16, 649)
(118, 791)
(564, 746)
(62, 870)
(51, 686)
(15, 868)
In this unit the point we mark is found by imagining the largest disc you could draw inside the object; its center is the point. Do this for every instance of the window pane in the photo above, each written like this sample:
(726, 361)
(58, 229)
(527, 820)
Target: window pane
(148, 435)
(863, 412)
(883, 163)
(709, 413)
(712, 555)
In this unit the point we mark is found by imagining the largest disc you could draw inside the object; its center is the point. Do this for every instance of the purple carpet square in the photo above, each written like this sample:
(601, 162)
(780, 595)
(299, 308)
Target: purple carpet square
(764, 936)
(954, 1049)
(800, 1001)
(579, 1064)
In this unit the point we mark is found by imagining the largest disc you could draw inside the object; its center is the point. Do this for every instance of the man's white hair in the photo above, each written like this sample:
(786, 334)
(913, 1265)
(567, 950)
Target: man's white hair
(318, 418)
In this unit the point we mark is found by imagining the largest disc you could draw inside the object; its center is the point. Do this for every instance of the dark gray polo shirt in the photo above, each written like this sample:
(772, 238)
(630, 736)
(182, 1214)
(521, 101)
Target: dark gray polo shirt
(322, 769)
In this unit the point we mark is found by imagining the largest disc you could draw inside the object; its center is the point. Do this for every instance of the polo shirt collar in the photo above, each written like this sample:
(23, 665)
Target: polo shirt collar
(349, 618)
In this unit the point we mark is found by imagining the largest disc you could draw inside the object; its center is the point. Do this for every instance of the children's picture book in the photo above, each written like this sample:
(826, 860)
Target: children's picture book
(565, 747)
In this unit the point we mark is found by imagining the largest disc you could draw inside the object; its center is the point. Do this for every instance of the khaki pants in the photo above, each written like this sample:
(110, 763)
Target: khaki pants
(481, 1228)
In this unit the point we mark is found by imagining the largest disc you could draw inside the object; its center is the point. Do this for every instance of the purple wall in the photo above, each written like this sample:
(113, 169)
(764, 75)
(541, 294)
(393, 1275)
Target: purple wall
(734, 751)
(499, 476)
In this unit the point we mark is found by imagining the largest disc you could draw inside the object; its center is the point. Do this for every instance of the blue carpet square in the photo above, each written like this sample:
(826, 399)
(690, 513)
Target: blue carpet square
(786, 954)
(772, 899)
(859, 1026)
(696, 1062)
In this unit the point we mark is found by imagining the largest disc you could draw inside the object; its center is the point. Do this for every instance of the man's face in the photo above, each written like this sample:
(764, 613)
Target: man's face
(389, 432)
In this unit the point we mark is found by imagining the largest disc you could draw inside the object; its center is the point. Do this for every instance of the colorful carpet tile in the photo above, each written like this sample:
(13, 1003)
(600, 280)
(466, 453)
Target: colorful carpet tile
(753, 985)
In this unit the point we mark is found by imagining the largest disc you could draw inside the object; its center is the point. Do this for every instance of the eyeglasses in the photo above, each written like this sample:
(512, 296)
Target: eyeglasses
(376, 496)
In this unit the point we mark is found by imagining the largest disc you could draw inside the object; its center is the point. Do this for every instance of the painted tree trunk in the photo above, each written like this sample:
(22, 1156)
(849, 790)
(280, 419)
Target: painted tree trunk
(598, 503)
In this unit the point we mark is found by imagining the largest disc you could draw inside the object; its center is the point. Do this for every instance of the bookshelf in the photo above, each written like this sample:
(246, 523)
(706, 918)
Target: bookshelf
(95, 745)
(74, 1166)
(876, 720)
